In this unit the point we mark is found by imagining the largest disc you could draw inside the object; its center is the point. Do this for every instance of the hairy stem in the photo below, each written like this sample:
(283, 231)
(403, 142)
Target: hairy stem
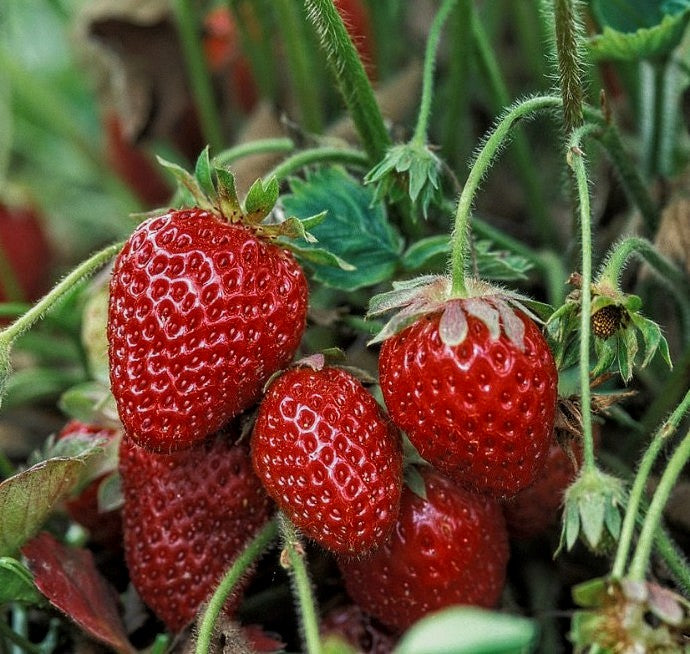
(319, 155)
(661, 437)
(260, 146)
(239, 567)
(673, 558)
(675, 465)
(498, 137)
(199, 77)
(293, 559)
(351, 77)
(422, 127)
(568, 40)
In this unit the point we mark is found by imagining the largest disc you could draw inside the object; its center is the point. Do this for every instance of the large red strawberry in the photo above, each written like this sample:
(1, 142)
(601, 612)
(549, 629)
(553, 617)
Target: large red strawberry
(105, 527)
(202, 312)
(186, 518)
(450, 548)
(474, 386)
(329, 458)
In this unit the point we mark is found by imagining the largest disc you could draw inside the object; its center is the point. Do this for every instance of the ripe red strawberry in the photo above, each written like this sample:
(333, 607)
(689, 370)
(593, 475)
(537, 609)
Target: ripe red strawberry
(533, 510)
(358, 629)
(202, 312)
(26, 252)
(329, 457)
(450, 548)
(105, 527)
(186, 518)
(481, 409)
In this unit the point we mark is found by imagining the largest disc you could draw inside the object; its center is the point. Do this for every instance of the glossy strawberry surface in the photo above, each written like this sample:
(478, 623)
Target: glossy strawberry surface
(329, 458)
(450, 548)
(481, 411)
(105, 527)
(201, 314)
(186, 517)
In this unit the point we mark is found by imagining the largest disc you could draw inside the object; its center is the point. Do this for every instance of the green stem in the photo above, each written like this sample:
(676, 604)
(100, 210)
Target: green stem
(662, 436)
(673, 558)
(385, 22)
(23, 645)
(649, 92)
(576, 161)
(319, 155)
(239, 567)
(6, 467)
(199, 77)
(260, 146)
(422, 128)
(292, 26)
(521, 152)
(294, 562)
(675, 465)
(492, 145)
(568, 39)
(160, 644)
(351, 77)
(36, 312)
(671, 89)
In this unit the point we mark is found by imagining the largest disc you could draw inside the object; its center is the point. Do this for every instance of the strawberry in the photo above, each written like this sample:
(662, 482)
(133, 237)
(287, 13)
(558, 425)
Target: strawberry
(448, 548)
(202, 312)
(355, 15)
(533, 510)
(105, 527)
(474, 385)
(329, 458)
(26, 254)
(358, 629)
(186, 517)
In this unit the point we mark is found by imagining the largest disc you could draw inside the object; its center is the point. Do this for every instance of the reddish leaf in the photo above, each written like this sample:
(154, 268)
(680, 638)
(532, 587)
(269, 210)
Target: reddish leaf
(69, 579)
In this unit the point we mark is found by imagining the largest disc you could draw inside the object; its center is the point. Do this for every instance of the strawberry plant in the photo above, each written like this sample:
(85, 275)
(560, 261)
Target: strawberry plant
(369, 328)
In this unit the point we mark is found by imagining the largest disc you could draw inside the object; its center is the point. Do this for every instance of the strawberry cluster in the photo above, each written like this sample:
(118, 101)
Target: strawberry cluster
(207, 311)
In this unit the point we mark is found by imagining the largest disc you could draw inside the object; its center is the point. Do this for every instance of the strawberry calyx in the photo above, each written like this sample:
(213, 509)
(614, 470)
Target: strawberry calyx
(494, 306)
(212, 188)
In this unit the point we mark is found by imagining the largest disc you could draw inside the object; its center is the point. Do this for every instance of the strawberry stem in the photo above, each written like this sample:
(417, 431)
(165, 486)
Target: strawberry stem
(294, 562)
(260, 146)
(675, 465)
(422, 127)
(199, 77)
(492, 145)
(239, 567)
(575, 158)
(659, 440)
(351, 77)
(319, 155)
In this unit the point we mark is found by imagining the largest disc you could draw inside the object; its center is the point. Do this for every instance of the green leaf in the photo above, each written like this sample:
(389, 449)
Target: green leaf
(355, 230)
(90, 402)
(469, 630)
(203, 174)
(27, 498)
(626, 16)
(644, 43)
(17, 583)
(590, 593)
(261, 199)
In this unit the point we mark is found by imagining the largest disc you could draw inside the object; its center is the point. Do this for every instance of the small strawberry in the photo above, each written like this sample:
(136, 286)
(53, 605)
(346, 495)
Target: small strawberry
(474, 385)
(202, 312)
(533, 510)
(105, 527)
(450, 548)
(186, 518)
(358, 629)
(329, 457)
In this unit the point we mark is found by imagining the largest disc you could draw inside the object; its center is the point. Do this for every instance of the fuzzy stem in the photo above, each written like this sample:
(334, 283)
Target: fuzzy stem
(199, 77)
(492, 145)
(521, 151)
(351, 77)
(422, 127)
(662, 436)
(675, 465)
(240, 565)
(36, 312)
(260, 146)
(319, 155)
(673, 558)
(568, 40)
(575, 158)
(300, 63)
(294, 562)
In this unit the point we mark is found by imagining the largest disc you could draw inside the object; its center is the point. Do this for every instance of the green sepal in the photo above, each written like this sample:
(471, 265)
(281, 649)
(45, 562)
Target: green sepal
(317, 256)
(228, 201)
(592, 514)
(17, 584)
(653, 340)
(627, 351)
(591, 593)
(203, 174)
(606, 352)
(189, 183)
(110, 496)
(414, 480)
(261, 199)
